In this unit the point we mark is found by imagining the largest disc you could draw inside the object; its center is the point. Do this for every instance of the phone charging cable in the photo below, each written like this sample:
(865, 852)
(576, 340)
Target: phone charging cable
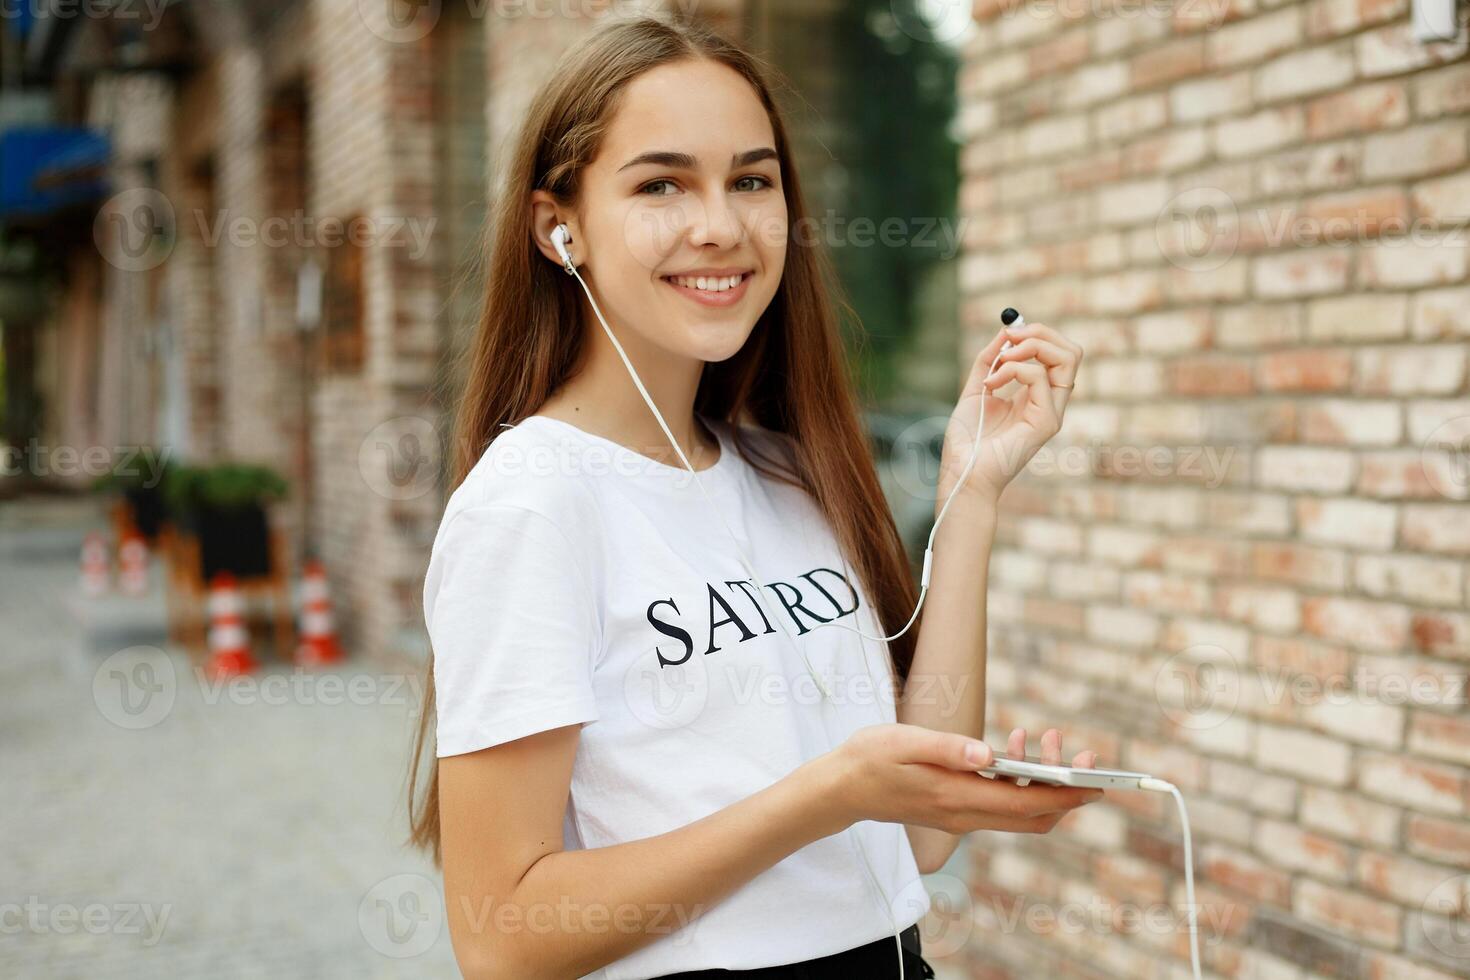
(1161, 786)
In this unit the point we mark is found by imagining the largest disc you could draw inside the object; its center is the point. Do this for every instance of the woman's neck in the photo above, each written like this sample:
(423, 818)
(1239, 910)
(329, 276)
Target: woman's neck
(601, 398)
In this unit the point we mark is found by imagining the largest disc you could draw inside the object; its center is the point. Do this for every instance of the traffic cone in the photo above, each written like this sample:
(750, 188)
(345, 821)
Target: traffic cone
(229, 641)
(95, 566)
(318, 635)
(132, 560)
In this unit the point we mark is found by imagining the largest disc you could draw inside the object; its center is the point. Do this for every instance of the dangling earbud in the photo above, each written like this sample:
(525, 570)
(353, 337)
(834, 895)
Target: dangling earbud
(559, 236)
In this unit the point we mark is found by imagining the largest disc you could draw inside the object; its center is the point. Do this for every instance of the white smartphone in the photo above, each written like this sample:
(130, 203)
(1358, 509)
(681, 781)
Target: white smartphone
(1033, 769)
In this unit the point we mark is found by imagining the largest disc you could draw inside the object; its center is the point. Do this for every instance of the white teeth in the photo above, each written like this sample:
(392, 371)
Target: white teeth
(707, 283)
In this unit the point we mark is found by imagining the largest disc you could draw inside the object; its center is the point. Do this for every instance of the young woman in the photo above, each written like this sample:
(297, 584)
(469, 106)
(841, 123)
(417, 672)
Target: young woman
(634, 774)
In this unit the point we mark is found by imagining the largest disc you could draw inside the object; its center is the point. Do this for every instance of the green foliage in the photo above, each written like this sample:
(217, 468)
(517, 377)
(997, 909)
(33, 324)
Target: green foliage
(223, 486)
(896, 101)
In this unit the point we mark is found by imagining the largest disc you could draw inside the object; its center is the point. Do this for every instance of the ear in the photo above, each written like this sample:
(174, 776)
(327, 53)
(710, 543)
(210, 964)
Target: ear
(546, 214)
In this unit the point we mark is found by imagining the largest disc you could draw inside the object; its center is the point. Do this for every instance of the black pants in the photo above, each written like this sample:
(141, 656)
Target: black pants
(877, 960)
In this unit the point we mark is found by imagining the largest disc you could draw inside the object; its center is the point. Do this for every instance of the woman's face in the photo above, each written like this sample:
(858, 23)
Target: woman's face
(686, 187)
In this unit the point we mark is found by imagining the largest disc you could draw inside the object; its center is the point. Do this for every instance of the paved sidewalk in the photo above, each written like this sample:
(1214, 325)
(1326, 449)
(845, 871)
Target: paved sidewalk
(246, 831)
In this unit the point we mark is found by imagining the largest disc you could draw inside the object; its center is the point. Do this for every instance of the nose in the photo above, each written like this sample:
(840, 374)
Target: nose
(713, 221)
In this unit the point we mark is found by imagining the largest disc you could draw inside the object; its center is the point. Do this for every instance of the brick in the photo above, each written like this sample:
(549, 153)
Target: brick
(1444, 200)
(1114, 35)
(1248, 513)
(1168, 62)
(1438, 528)
(1421, 369)
(1309, 757)
(1206, 556)
(1356, 422)
(1419, 151)
(1256, 38)
(1392, 50)
(1409, 782)
(1367, 524)
(1346, 218)
(1367, 108)
(1271, 609)
(1443, 92)
(1443, 737)
(1355, 916)
(1445, 416)
(1300, 564)
(1358, 317)
(1301, 273)
(1245, 873)
(1442, 634)
(1132, 203)
(1438, 840)
(1313, 168)
(1093, 83)
(1286, 846)
(1058, 54)
(1357, 622)
(1398, 473)
(1309, 469)
(1125, 292)
(1331, 18)
(1355, 718)
(1259, 325)
(1173, 150)
(1294, 945)
(1209, 376)
(1262, 792)
(1399, 878)
(1269, 129)
(1411, 577)
(1302, 73)
(1128, 118)
(1173, 332)
(1349, 816)
(1228, 282)
(1201, 99)
(1050, 137)
(1051, 537)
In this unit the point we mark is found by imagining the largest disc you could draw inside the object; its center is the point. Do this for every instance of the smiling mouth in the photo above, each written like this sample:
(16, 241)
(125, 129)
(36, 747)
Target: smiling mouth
(713, 285)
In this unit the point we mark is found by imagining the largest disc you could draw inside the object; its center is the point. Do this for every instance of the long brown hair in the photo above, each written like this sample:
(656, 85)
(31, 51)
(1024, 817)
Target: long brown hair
(789, 376)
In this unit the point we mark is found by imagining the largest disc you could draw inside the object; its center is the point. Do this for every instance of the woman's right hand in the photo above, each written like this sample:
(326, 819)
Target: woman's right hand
(908, 774)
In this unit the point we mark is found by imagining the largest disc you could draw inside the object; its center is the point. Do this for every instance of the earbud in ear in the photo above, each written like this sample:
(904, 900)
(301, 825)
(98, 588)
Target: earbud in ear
(559, 236)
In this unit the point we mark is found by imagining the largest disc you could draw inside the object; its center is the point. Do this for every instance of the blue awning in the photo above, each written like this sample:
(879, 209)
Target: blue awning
(43, 168)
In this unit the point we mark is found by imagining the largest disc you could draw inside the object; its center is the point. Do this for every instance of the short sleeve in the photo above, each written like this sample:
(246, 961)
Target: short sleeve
(512, 626)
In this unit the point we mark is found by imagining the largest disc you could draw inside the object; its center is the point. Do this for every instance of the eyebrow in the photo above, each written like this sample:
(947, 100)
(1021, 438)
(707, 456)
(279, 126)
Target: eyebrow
(684, 161)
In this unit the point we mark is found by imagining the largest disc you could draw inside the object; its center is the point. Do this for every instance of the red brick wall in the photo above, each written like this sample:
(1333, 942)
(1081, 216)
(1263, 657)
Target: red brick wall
(1328, 544)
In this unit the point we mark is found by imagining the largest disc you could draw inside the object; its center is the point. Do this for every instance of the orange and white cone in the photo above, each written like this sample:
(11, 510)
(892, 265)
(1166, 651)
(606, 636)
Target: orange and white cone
(229, 640)
(318, 634)
(95, 567)
(132, 560)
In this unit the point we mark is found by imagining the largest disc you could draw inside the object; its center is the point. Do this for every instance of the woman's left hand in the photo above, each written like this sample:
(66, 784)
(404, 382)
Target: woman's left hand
(1045, 363)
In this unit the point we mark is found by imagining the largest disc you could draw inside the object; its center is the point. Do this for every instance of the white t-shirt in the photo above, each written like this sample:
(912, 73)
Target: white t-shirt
(573, 580)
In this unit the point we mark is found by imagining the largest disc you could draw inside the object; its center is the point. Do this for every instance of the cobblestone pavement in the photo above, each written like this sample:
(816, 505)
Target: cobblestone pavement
(249, 831)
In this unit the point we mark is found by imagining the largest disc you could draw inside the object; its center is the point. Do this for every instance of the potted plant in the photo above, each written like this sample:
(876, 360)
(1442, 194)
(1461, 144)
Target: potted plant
(141, 491)
(224, 507)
